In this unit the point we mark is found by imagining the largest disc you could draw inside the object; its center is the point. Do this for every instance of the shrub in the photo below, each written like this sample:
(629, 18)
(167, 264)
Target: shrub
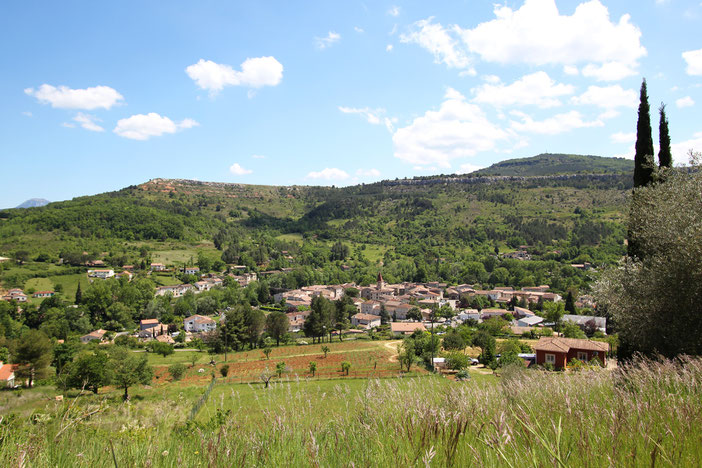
(224, 370)
(176, 370)
(457, 361)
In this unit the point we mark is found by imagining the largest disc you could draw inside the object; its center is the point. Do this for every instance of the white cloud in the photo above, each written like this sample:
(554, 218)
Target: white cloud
(255, 73)
(368, 173)
(27, 114)
(570, 70)
(694, 62)
(236, 169)
(467, 168)
(388, 48)
(144, 126)
(88, 122)
(437, 40)
(394, 10)
(560, 123)
(610, 71)
(686, 101)
(492, 79)
(458, 129)
(608, 114)
(328, 174)
(358, 30)
(372, 116)
(607, 97)
(68, 125)
(327, 41)
(621, 137)
(680, 150)
(258, 156)
(536, 89)
(538, 34)
(66, 98)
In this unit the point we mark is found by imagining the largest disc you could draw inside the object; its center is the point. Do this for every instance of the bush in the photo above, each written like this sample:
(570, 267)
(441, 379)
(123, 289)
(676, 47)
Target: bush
(224, 370)
(176, 370)
(457, 361)
(463, 374)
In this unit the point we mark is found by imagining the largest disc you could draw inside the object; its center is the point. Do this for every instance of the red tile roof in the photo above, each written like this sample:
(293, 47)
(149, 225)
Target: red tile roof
(563, 345)
(7, 370)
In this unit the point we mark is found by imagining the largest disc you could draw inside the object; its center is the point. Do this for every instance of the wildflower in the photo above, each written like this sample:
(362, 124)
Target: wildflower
(164, 453)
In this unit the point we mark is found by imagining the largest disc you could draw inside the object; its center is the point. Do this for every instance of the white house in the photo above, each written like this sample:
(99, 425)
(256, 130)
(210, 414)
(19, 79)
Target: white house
(158, 267)
(102, 274)
(370, 308)
(7, 375)
(365, 321)
(199, 324)
(529, 321)
(192, 270)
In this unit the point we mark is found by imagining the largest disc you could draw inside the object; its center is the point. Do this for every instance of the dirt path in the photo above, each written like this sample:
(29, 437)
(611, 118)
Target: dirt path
(393, 347)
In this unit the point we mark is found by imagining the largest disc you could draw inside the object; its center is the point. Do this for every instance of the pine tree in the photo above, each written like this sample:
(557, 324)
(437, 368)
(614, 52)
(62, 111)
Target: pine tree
(79, 295)
(643, 159)
(665, 158)
(570, 303)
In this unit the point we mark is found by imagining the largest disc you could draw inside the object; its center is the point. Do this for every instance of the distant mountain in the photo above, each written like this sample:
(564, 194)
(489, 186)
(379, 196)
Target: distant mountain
(33, 203)
(553, 164)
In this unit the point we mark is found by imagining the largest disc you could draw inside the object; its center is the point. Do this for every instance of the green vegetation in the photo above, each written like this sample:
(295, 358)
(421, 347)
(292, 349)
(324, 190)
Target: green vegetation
(550, 164)
(591, 417)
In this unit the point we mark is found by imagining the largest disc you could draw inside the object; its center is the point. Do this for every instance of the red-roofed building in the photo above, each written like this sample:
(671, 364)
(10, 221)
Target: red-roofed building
(7, 374)
(560, 351)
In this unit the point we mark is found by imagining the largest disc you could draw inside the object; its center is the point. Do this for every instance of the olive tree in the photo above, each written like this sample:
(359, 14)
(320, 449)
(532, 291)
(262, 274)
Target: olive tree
(655, 299)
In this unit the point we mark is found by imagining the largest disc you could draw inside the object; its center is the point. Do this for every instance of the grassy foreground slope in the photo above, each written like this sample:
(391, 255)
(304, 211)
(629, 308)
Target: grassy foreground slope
(644, 416)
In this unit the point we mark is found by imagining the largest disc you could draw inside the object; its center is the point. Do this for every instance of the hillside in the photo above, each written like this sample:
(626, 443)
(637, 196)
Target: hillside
(429, 227)
(552, 164)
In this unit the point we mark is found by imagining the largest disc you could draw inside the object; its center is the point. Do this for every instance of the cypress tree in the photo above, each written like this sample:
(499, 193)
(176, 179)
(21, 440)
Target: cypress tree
(79, 295)
(665, 158)
(643, 159)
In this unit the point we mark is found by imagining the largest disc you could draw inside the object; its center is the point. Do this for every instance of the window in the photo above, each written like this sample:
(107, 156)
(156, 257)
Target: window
(582, 356)
(551, 358)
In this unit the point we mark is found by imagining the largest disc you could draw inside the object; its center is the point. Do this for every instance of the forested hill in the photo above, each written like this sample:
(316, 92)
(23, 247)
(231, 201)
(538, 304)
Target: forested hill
(553, 164)
(577, 215)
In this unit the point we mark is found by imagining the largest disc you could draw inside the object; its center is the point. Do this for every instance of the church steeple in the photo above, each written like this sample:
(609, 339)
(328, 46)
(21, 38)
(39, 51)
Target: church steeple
(381, 281)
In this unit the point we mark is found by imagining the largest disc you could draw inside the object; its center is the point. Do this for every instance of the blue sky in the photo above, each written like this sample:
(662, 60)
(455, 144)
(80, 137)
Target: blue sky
(98, 96)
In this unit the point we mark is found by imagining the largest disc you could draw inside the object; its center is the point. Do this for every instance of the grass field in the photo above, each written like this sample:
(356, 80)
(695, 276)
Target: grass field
(69, 283)
(645, 415)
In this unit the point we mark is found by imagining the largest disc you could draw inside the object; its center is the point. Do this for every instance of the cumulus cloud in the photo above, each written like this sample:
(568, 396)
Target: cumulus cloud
(538, 34)
(328, 174)
(145, 126)
(610, 71)
(694, 62)
(559, 123)
(467, 168)
(607, 97)
(571, 70)
(439, 41)
(236, 169)
(88, 122)
(327, 41)
(536, 89)
(64, 97)
(680, 149)
(368, 173)
(458, 129)
(372, 116)
(255, 73)
(686, 101)
(622, 137)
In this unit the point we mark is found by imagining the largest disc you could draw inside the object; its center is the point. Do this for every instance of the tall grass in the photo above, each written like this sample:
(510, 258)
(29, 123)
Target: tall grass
(646, 414)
